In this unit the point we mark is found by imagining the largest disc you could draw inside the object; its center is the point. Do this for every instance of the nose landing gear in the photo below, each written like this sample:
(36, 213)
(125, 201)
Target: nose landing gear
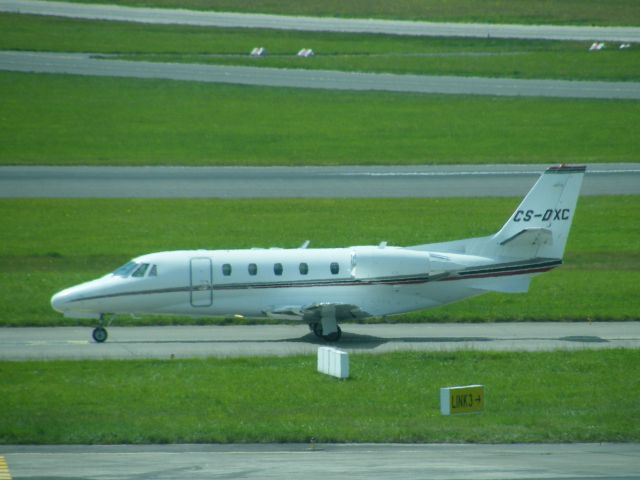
(100, 333)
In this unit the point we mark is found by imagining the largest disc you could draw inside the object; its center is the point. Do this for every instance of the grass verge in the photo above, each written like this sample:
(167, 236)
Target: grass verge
(68, 120)
(46, 245)
(578, 12)
(335, 51)
(582, 396)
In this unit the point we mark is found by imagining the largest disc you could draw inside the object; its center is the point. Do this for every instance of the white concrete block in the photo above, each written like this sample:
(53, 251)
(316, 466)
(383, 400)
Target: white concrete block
(342, 360)
(323, 359)
(333, 362)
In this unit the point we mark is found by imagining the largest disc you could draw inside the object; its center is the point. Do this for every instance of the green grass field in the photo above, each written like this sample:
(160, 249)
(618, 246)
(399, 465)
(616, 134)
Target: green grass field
(579, 12)
(348, 52)
(46, 245)
(66, 120)
(581, 396)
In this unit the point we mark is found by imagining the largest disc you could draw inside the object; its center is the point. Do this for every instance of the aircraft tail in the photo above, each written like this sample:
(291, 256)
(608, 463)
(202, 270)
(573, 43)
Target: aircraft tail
(540, 226)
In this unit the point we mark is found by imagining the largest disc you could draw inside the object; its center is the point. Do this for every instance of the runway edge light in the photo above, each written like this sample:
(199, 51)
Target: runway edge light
(461, 400)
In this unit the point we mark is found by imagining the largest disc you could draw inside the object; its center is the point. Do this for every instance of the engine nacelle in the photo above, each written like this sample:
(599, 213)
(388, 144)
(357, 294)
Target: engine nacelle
(388, 262)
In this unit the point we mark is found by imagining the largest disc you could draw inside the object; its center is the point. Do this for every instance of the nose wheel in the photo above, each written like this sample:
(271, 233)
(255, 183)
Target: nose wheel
(99, 334)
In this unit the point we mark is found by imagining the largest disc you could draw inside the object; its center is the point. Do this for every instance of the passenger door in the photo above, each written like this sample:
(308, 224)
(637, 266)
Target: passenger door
(201, 282)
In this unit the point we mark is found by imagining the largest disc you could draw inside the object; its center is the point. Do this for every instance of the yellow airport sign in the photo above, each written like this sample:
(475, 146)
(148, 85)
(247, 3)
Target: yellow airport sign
(457, 400)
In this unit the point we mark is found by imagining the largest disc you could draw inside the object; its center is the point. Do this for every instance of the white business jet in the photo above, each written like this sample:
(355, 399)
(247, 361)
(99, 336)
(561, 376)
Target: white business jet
(325, 286)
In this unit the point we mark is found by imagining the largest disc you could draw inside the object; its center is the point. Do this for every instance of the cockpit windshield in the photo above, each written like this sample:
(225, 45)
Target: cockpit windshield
(125, 270)
(141, 270)
(137, 270)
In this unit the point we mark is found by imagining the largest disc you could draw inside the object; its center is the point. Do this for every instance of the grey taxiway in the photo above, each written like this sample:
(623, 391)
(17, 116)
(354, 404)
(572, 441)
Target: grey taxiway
(299, 182)
(318, 24)
(105, 66)
(285, 340)
(319, 462)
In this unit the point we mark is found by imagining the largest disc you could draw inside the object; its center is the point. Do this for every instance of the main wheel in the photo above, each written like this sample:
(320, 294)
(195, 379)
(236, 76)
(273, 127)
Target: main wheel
(99, 334)
(317, 329)
(332, 337)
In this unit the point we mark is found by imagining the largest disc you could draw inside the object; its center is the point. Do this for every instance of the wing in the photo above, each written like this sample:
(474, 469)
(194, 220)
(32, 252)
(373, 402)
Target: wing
(313, 313)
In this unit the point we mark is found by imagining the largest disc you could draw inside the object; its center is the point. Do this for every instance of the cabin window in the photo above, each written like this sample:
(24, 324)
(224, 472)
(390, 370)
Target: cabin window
(141, 270)
(304, 269)
(125, 270)
(277, 268)
(253, 269)
(226, 269)
(335, 268)
(154, 271)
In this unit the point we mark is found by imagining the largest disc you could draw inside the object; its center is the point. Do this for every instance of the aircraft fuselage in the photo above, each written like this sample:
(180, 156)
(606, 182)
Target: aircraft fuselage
(272, 283)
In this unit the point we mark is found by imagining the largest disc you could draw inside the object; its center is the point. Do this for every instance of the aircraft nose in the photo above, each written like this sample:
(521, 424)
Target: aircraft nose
(59, 300)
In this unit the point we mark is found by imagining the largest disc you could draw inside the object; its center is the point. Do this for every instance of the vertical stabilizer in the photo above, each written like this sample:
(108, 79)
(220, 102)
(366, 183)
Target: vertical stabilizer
(540, 225)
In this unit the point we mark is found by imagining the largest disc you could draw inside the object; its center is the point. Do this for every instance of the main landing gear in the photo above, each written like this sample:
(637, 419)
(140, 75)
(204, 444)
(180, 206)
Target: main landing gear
(327, 328)
(332, 337)
(100, 333)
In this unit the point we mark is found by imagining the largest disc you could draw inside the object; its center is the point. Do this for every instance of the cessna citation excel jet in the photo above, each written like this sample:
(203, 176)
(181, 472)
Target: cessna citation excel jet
(324, 286)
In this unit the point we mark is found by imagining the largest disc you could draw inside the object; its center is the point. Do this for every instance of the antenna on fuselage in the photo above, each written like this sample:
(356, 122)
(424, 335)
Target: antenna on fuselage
(305, 244)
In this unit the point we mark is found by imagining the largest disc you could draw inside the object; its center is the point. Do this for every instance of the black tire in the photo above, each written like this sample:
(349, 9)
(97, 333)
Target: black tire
(332, 337)
(99, 334)
(317, 329)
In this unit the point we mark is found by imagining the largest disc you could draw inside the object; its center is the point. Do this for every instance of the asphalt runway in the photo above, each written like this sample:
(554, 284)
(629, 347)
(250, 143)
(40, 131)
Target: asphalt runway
(336, 461)
(45, 343)
(91, 65)
(300, 182)
(282, 22)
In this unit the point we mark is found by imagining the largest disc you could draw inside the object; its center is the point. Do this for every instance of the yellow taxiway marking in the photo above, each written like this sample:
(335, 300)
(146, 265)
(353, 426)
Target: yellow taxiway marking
(4, 469)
